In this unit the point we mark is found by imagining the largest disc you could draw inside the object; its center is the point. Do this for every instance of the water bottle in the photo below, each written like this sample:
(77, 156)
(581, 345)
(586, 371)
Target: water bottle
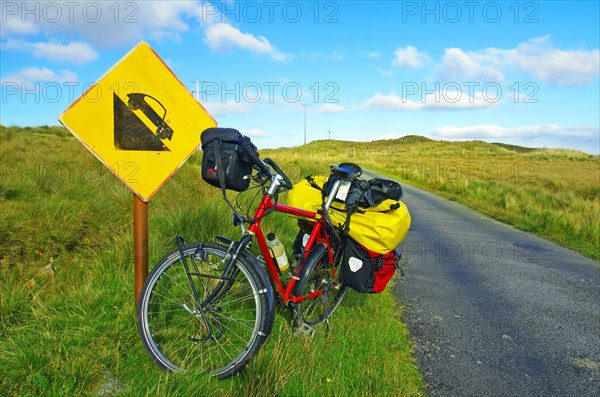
(278, 253)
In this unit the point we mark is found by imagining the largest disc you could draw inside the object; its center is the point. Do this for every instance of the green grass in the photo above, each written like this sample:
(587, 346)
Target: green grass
(66, 334)
(554, 193)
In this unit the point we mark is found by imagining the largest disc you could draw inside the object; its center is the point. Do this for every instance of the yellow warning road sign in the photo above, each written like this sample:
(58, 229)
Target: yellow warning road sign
(139, 120)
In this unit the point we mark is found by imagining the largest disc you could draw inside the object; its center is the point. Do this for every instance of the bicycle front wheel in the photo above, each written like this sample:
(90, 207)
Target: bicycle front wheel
(319, 279)
(215, 330)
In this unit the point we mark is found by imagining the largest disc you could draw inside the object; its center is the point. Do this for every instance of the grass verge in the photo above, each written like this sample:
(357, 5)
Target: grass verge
(67, 319)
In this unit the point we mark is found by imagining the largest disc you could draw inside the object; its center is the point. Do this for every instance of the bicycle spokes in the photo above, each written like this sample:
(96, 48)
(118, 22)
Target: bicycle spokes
(209, 326)
(214, 288)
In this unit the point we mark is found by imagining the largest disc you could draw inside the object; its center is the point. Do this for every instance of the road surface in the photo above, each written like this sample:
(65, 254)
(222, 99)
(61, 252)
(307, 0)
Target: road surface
(494, 311)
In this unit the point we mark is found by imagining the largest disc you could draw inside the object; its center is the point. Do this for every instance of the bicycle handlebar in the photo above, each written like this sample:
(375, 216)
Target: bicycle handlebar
(252, 155)
(286, 181)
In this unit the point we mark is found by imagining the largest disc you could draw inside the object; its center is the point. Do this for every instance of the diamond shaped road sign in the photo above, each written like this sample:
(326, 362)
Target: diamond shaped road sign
(139, 120)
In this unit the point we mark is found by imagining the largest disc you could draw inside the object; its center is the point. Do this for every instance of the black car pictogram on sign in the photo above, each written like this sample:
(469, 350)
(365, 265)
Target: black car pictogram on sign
(131, 133)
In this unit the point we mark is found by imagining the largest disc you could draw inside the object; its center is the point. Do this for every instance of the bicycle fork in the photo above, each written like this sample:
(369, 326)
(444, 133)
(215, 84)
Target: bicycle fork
(208, 306)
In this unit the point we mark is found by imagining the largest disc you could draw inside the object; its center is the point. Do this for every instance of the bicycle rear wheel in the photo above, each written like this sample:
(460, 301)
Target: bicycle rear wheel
(318, 275)
(216, 334)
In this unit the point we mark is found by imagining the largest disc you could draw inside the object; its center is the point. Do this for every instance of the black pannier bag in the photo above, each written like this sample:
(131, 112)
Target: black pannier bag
(224, 159)
(367, 271)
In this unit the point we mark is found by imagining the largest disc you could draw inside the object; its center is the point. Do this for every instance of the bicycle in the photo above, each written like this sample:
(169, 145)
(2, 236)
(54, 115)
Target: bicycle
(211, 306)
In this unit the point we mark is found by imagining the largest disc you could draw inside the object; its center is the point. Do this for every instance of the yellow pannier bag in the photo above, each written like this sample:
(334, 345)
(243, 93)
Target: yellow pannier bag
(379, 229)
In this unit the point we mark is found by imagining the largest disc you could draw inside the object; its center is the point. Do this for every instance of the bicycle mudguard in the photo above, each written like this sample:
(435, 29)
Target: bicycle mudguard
(270, 295)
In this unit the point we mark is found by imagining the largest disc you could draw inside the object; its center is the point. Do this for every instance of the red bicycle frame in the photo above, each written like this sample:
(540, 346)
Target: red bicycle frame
(318, 235)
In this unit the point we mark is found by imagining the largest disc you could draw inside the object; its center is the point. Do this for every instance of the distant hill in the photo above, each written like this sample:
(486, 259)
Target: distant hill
(411, 143)
(515, 148)
(419, 145)
(409, 139)
(405, 140)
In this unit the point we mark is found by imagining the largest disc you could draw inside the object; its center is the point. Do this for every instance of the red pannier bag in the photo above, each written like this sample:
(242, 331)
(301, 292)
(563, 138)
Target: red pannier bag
(366, 271)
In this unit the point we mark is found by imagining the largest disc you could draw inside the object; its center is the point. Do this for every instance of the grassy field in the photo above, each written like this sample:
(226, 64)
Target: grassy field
(554, 193)
(67, 318)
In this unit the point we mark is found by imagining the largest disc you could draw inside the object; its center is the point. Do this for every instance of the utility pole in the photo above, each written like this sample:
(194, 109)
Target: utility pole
(305, 106)
(329, 134)
(197, 92)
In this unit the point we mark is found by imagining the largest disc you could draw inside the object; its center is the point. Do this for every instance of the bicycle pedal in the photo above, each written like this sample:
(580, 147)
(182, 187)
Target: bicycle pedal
(306, 330)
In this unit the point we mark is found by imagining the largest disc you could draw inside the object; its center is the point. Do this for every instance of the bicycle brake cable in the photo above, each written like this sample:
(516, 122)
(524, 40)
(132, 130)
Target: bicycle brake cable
(269, 210)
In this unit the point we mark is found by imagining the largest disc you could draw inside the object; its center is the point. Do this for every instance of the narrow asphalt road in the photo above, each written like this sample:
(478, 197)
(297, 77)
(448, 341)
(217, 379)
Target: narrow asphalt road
(494, 311)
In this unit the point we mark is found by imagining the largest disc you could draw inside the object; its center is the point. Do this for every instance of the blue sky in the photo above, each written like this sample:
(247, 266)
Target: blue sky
(517, 72)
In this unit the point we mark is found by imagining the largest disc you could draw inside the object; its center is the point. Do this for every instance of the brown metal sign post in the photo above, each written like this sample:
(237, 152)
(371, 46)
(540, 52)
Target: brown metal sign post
(140, 244)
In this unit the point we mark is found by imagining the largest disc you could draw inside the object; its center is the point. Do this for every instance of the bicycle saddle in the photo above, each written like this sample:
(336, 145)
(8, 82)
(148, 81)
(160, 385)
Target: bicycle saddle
(347, 171)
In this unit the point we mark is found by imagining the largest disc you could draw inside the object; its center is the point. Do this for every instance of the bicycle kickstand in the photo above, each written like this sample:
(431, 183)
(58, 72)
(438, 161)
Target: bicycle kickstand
(324, 297)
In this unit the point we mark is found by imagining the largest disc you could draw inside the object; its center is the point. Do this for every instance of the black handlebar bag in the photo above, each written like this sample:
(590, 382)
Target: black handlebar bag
(224, 159)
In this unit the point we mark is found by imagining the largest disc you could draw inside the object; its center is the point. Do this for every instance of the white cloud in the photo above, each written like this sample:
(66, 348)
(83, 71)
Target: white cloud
(457, 64)
(41, 74)
(166, 14)
(254, 132)
(13, 25)
(384, 73)
(409, 57)
(103, 23)
(561, 67)
(442, 100)
(219, 108)
(331, 108)
(533, 131)
(223, 36)
(77, 53)
(535, 56)
(373, 54)
(120, 25)
(30, 78)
